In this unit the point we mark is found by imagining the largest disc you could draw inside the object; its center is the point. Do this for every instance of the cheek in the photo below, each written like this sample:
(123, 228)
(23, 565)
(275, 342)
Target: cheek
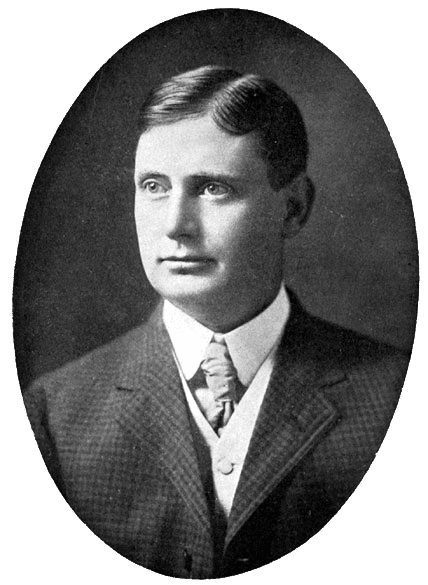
(254, 243)
(147, 246)
(239, 242)
(146, 225)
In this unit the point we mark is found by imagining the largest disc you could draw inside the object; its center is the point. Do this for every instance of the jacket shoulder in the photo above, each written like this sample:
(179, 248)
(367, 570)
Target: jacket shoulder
(101, 359)
(375, 370)
(373, 373)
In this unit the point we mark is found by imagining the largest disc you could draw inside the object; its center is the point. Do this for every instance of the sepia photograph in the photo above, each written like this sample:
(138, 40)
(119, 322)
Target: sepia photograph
(215, 296)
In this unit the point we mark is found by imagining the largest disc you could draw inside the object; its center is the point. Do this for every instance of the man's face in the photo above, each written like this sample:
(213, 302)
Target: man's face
(209, 224)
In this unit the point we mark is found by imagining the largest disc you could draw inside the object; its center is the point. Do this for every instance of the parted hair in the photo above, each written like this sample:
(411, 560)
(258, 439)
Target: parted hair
(238, 104)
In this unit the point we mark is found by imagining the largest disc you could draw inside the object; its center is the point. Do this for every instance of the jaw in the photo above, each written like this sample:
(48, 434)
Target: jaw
(219, 308)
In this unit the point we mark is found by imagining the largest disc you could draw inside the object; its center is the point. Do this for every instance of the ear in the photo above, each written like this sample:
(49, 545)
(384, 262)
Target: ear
(299, 196)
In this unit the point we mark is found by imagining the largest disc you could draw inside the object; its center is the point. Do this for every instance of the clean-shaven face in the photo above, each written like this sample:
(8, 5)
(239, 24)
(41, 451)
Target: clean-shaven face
(208, 222)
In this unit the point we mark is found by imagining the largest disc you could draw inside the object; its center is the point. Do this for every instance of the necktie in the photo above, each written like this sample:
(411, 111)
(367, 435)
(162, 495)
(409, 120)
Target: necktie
(222, 380)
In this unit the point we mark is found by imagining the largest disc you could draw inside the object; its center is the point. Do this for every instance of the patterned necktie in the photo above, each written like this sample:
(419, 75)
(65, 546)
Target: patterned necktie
(222, 380)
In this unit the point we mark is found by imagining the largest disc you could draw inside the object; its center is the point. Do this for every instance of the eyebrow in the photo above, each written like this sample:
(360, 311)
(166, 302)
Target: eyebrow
(217, 177)
(202, 176)
(144, 175)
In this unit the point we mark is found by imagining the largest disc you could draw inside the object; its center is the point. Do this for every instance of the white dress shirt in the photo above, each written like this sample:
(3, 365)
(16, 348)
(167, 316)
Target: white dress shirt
(252, 347)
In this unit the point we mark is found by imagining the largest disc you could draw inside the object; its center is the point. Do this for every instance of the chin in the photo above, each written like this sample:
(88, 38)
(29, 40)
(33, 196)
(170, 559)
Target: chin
(188, 293)
(185, 296)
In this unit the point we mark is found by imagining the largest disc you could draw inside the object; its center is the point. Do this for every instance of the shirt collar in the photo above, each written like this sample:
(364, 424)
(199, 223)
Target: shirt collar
(248, 345)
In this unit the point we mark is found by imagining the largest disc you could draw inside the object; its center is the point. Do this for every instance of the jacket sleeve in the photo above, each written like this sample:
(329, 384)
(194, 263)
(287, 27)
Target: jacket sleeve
(37, 411)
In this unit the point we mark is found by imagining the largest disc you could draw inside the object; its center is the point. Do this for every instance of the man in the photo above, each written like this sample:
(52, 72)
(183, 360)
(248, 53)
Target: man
(232, 426)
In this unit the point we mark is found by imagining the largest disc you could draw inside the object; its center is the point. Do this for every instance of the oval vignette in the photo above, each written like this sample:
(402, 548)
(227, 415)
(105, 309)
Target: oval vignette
(84, 286)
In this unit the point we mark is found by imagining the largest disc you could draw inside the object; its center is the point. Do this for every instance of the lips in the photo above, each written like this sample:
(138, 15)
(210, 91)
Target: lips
(187, 264)
(184, 259)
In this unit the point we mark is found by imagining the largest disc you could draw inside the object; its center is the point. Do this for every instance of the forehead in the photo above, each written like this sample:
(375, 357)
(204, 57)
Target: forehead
(198, 146)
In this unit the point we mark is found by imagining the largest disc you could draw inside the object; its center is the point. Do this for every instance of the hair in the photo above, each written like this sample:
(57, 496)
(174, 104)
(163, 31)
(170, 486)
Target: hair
(238, 104)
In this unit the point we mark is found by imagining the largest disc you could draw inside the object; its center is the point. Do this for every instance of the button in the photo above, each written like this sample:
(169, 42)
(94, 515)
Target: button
(187, 557)
(225, 466)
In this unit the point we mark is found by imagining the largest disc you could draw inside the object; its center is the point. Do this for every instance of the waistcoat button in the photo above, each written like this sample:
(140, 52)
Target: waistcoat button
(224, 466)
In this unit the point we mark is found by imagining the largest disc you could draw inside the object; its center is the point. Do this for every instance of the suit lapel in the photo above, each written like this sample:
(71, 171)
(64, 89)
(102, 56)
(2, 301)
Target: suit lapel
(152, 407)
(294, 417)
(149, 404)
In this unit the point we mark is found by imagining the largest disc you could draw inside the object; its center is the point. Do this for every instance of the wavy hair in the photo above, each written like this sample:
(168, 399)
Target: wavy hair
(238, 104)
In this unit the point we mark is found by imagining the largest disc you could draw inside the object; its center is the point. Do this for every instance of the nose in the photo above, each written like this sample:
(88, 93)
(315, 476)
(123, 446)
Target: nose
(181, 218)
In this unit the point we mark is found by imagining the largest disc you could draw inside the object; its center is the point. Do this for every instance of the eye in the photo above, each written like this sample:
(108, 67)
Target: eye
(216, 189)
(153, 187)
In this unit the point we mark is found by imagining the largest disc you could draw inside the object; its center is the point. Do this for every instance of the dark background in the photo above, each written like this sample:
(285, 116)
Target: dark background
(79, 280)
(49, 51)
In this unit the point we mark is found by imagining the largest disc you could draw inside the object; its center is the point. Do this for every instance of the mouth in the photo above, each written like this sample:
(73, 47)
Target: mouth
(186, 264)
(186, 259)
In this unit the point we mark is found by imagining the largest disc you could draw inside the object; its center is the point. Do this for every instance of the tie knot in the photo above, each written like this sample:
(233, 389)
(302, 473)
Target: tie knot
(220, 373)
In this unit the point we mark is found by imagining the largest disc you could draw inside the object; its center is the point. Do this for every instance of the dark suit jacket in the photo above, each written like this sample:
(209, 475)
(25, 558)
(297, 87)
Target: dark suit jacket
(114, 430)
